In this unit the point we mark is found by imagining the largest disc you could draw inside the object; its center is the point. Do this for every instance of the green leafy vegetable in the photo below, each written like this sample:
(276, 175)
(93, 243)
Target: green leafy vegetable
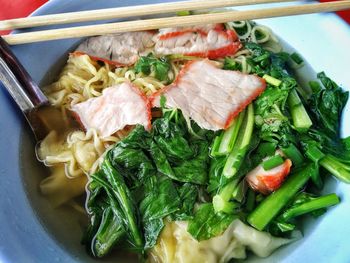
(207, 223)
(121, 193)
(271, 80)
(170, 139)
(162, 201)
(152, 229)
(160, 67)
(292, 152)
(336, 168)
(110, 231)
(145, 178)
(194, 170)
(327, 104)
(177, 155)
(188, 196)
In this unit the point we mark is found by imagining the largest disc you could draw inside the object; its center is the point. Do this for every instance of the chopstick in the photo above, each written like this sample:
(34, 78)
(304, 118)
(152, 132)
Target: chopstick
(122, 12)
(149, 24)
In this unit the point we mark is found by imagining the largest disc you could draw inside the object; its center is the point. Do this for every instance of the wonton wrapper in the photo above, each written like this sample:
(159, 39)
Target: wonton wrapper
(59, 189)
(176, 245)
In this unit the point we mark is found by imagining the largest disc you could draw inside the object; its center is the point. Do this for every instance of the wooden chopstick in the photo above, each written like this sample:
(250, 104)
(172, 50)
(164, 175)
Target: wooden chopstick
(122, 12)
(149, 24)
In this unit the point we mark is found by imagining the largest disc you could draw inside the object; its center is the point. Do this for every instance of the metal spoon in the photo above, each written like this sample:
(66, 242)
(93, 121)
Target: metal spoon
(26, 93)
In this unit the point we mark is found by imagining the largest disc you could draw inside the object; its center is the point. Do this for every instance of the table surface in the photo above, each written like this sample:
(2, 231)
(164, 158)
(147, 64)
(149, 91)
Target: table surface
(21, 8)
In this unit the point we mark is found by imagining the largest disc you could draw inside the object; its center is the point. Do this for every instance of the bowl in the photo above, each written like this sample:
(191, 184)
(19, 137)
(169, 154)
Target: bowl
(32, 231)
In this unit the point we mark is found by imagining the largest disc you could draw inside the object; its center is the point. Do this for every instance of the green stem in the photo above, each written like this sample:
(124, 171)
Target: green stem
(336, 168)
(220, 205)
(238, 153)
(292, 152)
(314, 154)
(109, 232)
(273, 204)
(221, 201)
(250, 200)
(301, 119)
(240, 191)
(315, 204)
(224, 143)
(229, 137)
(271, 80)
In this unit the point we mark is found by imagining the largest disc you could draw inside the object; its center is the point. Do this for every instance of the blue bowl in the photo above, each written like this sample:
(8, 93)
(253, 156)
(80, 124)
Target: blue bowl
(31, 231)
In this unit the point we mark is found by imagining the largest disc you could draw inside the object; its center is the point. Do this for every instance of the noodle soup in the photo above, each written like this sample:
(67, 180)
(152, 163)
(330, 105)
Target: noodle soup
(76, 155)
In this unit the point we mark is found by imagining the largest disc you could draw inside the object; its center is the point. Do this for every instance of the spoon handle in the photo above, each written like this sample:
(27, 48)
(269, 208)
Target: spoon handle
(23, 90)
(18, 82)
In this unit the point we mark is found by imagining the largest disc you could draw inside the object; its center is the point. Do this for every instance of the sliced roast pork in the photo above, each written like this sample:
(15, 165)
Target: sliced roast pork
(210, 41)
(210, 96)
(117, 107)
(118, 49)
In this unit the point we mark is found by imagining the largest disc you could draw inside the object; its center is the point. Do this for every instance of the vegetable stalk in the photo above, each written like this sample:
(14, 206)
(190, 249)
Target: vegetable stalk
(273, 204)
(223, 143)
(292, 152)
(335, 167)
(240, 148)
(221, 201)
(271, 80)
(312, 205)
(109, 232)
(301, 119)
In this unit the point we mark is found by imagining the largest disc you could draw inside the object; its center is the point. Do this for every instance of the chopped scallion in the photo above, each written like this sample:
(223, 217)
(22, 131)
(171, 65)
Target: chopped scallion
(296, 58)
(272, 162)
(262, 57)
(292, 152)
(271, 80)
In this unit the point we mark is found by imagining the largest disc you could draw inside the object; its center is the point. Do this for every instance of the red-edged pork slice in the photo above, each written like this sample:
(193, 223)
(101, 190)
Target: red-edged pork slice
(266, 182)
(118, 49)
(117, 107)
(211, 41)
(210, 96)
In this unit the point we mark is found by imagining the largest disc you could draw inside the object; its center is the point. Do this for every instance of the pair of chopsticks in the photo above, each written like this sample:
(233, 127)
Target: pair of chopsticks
(150, 24)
